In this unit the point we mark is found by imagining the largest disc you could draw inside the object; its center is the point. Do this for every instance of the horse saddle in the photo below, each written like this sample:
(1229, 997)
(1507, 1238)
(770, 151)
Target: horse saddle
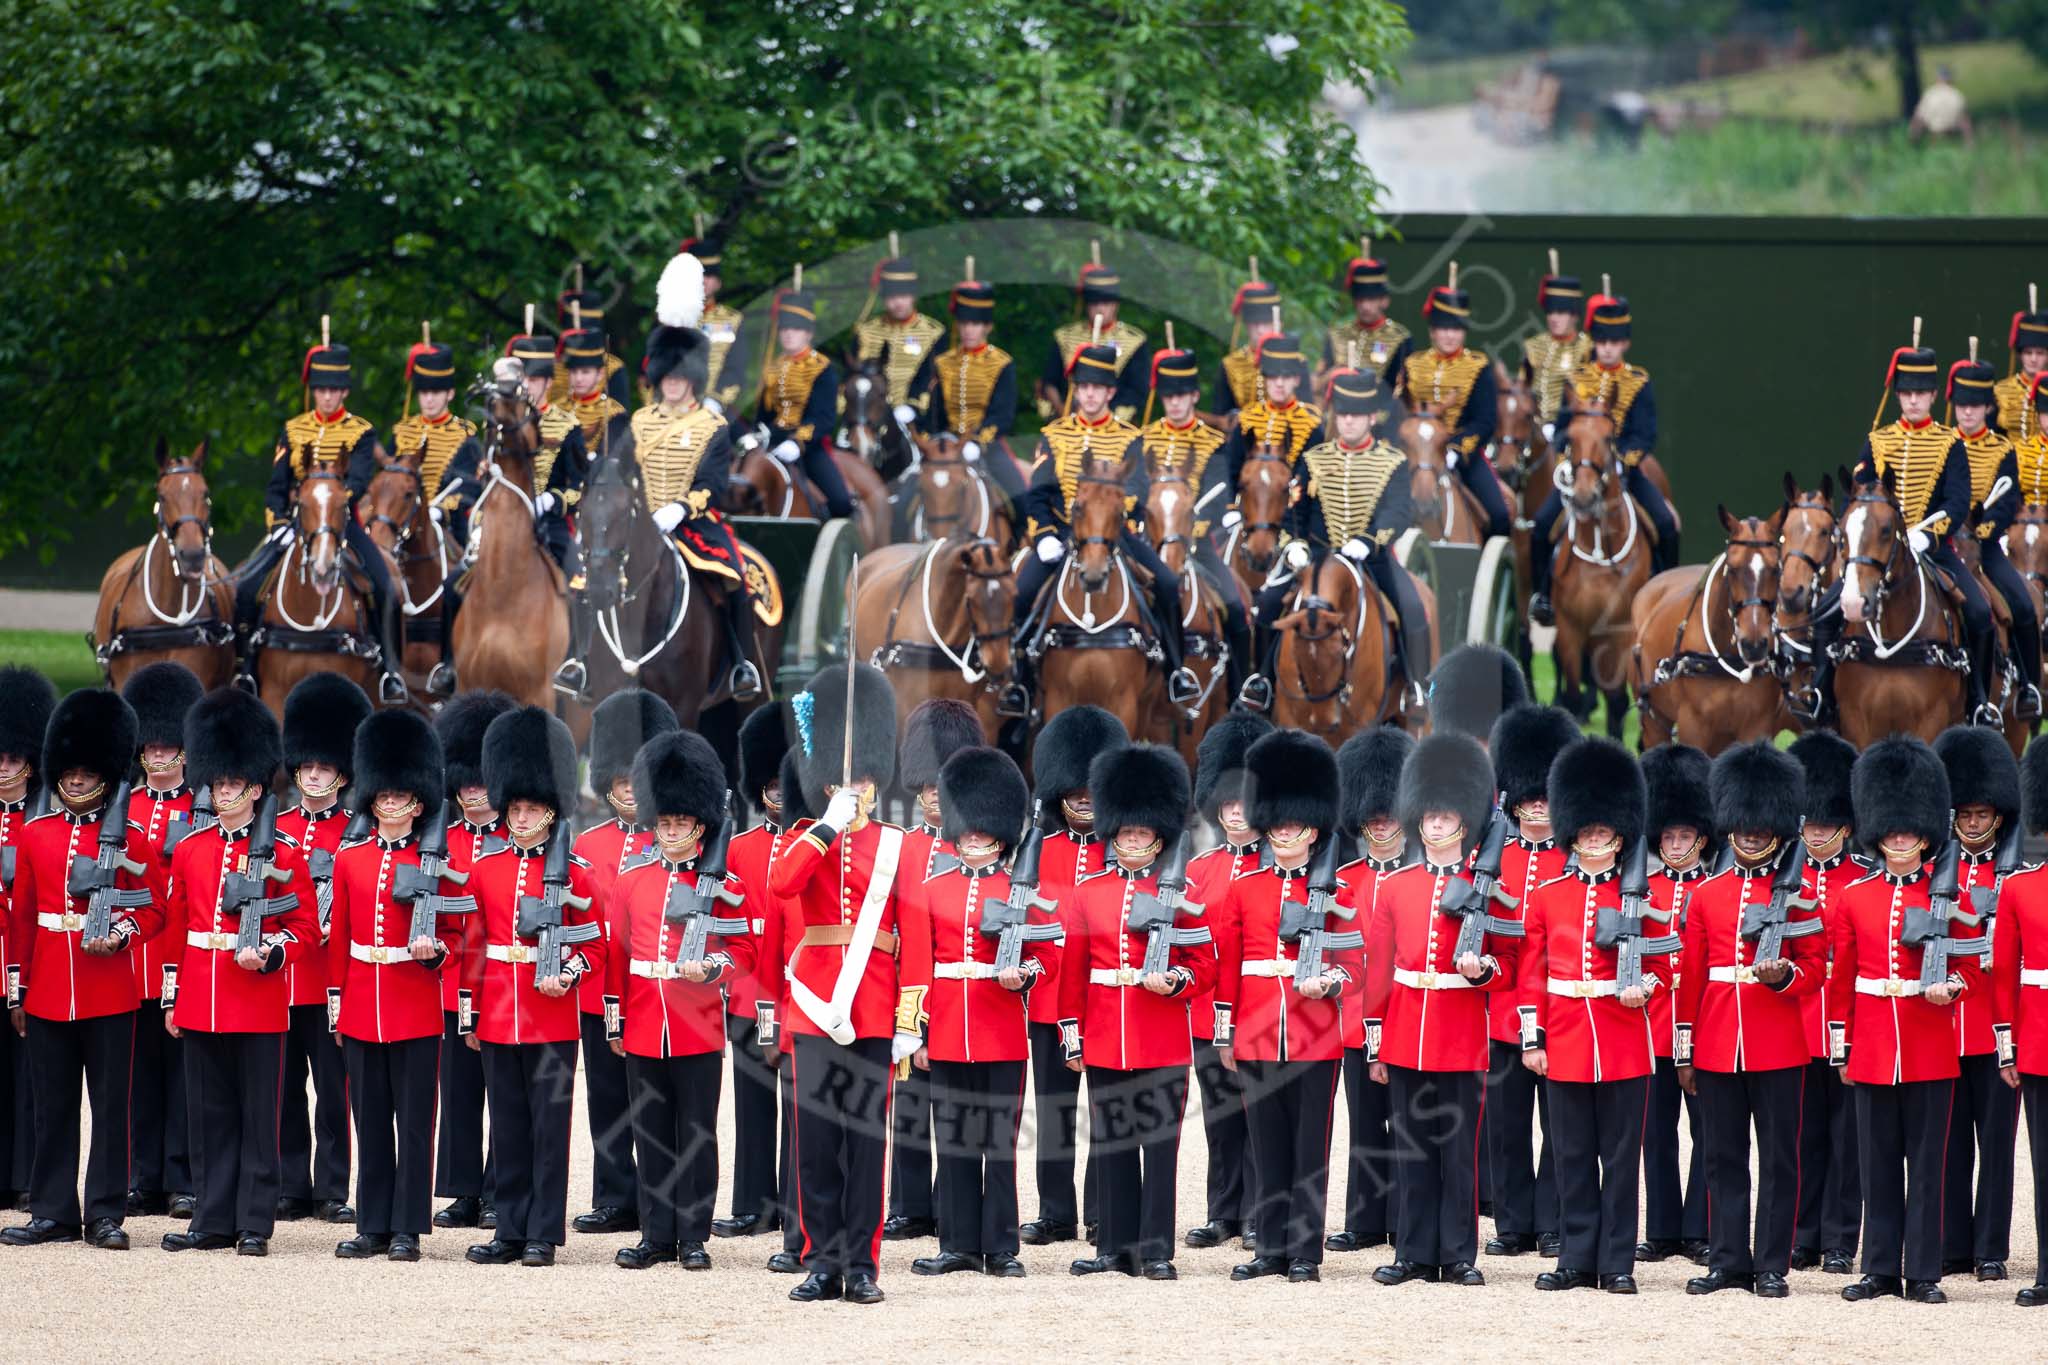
(2001, 613)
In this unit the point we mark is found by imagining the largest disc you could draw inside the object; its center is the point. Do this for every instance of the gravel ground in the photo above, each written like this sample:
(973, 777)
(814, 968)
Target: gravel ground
(304, 1305)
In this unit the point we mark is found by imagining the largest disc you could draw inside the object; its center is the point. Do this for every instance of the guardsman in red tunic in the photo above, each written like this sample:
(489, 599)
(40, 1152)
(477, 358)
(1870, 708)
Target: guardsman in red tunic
(26, 700)
(1893, 1036)
(1073, 849)
(159, 1144)
(386, 980)
(935, 730)
(462, 1173)
(668, 1021)
(1221, 798)
(1582, 1031)
(320, 720)
(1524, 742)
(621, 723)
(977, 1041)
(1425, 1011)
(858, 959)
(1984, 789)
(1126, 1026)
(773, 1021)
(1752, 950)
(755, 1190)
(1368, 788)
(2019, 978)
(1287, 1029)
(1681, 826)
(74, 998)
(1830, 1193)
(234, 1004)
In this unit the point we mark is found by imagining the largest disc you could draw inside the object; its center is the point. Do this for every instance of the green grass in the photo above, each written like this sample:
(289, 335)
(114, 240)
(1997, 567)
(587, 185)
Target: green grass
(1861, 86)
(1430, 85)
(62, 656)
(1543, 682)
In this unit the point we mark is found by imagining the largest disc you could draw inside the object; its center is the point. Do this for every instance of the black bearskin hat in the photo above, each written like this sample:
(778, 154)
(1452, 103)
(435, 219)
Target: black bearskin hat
(935, 730)
(1679, 781)
(2034, 786)
(794, 807)
(1757, 787)
(982, 791)
(320, 719)
(92, 729)
(822, 726)
(26, 700)
(1066, 745)
(622, 723)
(1219, 759)
(1471, 686)
(529, 755)
(1293, 780)
(229, 733)
(1597, 782)
(161, 694)
(1143, 785)
(1899, 786)
(1526, 740)
(764, 739)
(1981, 769)
(1827, 759)
(461, 726)
(397, 751)
(1446, 772)
(677, 772)
(1369, 774)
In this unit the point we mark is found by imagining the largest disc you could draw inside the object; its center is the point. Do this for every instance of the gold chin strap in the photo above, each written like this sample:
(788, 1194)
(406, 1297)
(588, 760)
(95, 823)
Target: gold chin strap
(537, 834)
(1831, 845)
(317, 792)
(682, 850)
(412, 807)
(1919, 850)
(1759, 859)
(1297, 841)
(1388, 842)
(85, 800)
(928, 806)
(1139, 858)
(1083, 823)
(1585, 851)
(627, 810)
(1452, 841)
(164, 765)
(222, 806)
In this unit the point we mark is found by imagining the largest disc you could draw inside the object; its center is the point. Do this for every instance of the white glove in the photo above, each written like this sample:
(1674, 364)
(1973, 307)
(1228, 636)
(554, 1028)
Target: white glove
(1549, 432)
(1450, 459)
(1050, 549)
(902, 1045)
(545, 504)
(1297, 556)
(1356, 548)
(669, 516)
(843, 809)
(1919, 540)
(437, 514)
(787, 452)
(970, 451)
(716, 408)
(1232, 518)
(508, 370)
(905, 414)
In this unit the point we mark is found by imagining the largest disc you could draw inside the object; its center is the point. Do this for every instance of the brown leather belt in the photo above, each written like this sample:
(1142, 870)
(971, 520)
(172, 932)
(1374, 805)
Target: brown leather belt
(839, 935)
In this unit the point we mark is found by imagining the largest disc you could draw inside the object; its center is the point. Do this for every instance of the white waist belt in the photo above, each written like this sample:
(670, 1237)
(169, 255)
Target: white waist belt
(1744, 975)
(2034, 976)
(1114, 976)
(61, 924)
(213, 943)
(511, 952)
(1267, 966)
(1583, 990)
(380, 956)
(964, 971)
(655, 969)
(1432, 981)
(1886, 985)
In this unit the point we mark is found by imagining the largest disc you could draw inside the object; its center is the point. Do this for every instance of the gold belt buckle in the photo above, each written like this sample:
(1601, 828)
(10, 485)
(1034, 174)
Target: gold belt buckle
(380, 954)
(1894, 986)
(1427, 980)
(1127, 976)
(72, 923)
(1745, 975)
(517, 952)
(219, 943)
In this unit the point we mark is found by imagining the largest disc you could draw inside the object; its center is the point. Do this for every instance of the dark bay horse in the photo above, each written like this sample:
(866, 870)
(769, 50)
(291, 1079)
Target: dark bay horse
(1445, 510)
(513, 630)
(394, 512)
(1903, 660)
(316, 617)
(1170, 526)
(1094, 646)
(169, 599)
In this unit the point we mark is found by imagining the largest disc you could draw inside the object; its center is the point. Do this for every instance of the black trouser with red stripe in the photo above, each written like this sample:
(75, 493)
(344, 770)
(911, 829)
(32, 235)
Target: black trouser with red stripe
(462, 1169)
(977, 1110)
(1524, 1184)
(1134, 1122)
(1830, 1191)
(1598, 1128)
(1056, 1123)
(2034, 1091)
(70, 1056)
(675, 1124)
(391, 1091)
(315, 1155)
(792, 1212)
(1730, 1102)
(754, 1144)
(1672, 1212)
(1287, 1109)
(842, 1142)
(18, 1117)
(1435, 1119)
(232, 1085)
(1369, 1183)
(1229, 1186)
(532, 1090)
(1902, 1136)
(160, 1150)
(910, 1154)
(608, 1104)
(1983, 1129)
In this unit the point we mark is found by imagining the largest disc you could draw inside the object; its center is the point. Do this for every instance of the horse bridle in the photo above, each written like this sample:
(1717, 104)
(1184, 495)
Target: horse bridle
(1737, 606)
(1081, 542)
(596, 556)
(1174, 538)
(323, 472)
(401, 529)
(1883, 568)
(169, 529)
(957, 465)
(976, 637)
(1311, 603)
(1247, 529)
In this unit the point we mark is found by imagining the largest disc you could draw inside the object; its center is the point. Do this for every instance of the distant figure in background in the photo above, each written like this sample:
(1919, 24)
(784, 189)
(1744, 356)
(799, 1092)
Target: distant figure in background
(1942, 110)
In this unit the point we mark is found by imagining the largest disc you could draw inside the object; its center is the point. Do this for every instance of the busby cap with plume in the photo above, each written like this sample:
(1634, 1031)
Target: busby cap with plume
(1067, 744)
(161, 694)
(1981, 769)
(982, 791)
(1678, 780)
(2034, 786)
(230, 734)
(1139, 786)
(1899, 786)
(398, 751)
(764, 739)
(622, 723)
(461, 726)
(93, 729)
(1447, 772)
(1293, 781)
(1827, 760)
(320, 719)
(678, 773)
(1525, 741)
(1758, 788)
(822, 725)
(794, 807)
(1369, 774)
(1471, 686)
(1597, 782)
(935, 730)
(675, 346)
(529, 755)
(1219, 759)
(26, 700)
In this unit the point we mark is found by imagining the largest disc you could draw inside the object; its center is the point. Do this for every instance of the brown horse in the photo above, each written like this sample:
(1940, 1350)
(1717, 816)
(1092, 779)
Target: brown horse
(1603, 561)
(956, 498)
(2026, 545)
(1253, 544)
(1523, 458)
(169, 599)
(873, 435)
(513, 630)
(759, 485)
(1170, 526)
(394, 512)
(936, 618)
(1902, 653)
(316, 616)
(1094, 647)
(1808, 565)
(1445, 510)
(1702, 659)
(1333, 664)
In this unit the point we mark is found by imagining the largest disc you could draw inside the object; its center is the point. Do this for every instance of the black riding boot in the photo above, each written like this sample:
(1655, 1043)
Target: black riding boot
(2026, 650)
(572, 679)
(1237, 637)
(746, 675)
(1816, 705)
(441, 682)
(1983, 659)
(391, 688)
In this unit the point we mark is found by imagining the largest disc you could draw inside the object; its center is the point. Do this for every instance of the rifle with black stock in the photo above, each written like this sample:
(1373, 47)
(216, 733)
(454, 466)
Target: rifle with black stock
(1623, 929)
(246, 892)
(1303, 922)
(1008, 917)
(1153, 914)
(94, 877)
(540, 917)
(693, 905)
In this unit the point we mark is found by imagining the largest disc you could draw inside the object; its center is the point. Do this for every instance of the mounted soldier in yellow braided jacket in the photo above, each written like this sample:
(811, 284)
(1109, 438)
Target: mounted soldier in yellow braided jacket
(902, 341)
(724, 326)
(579, 310)
(1256, 311)
(1280, 419)
(2027, 358)
(1100, 290)
(1455, 383)
(1994, 462)
(974, 391)
(1381, 341)
(1549, 361)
